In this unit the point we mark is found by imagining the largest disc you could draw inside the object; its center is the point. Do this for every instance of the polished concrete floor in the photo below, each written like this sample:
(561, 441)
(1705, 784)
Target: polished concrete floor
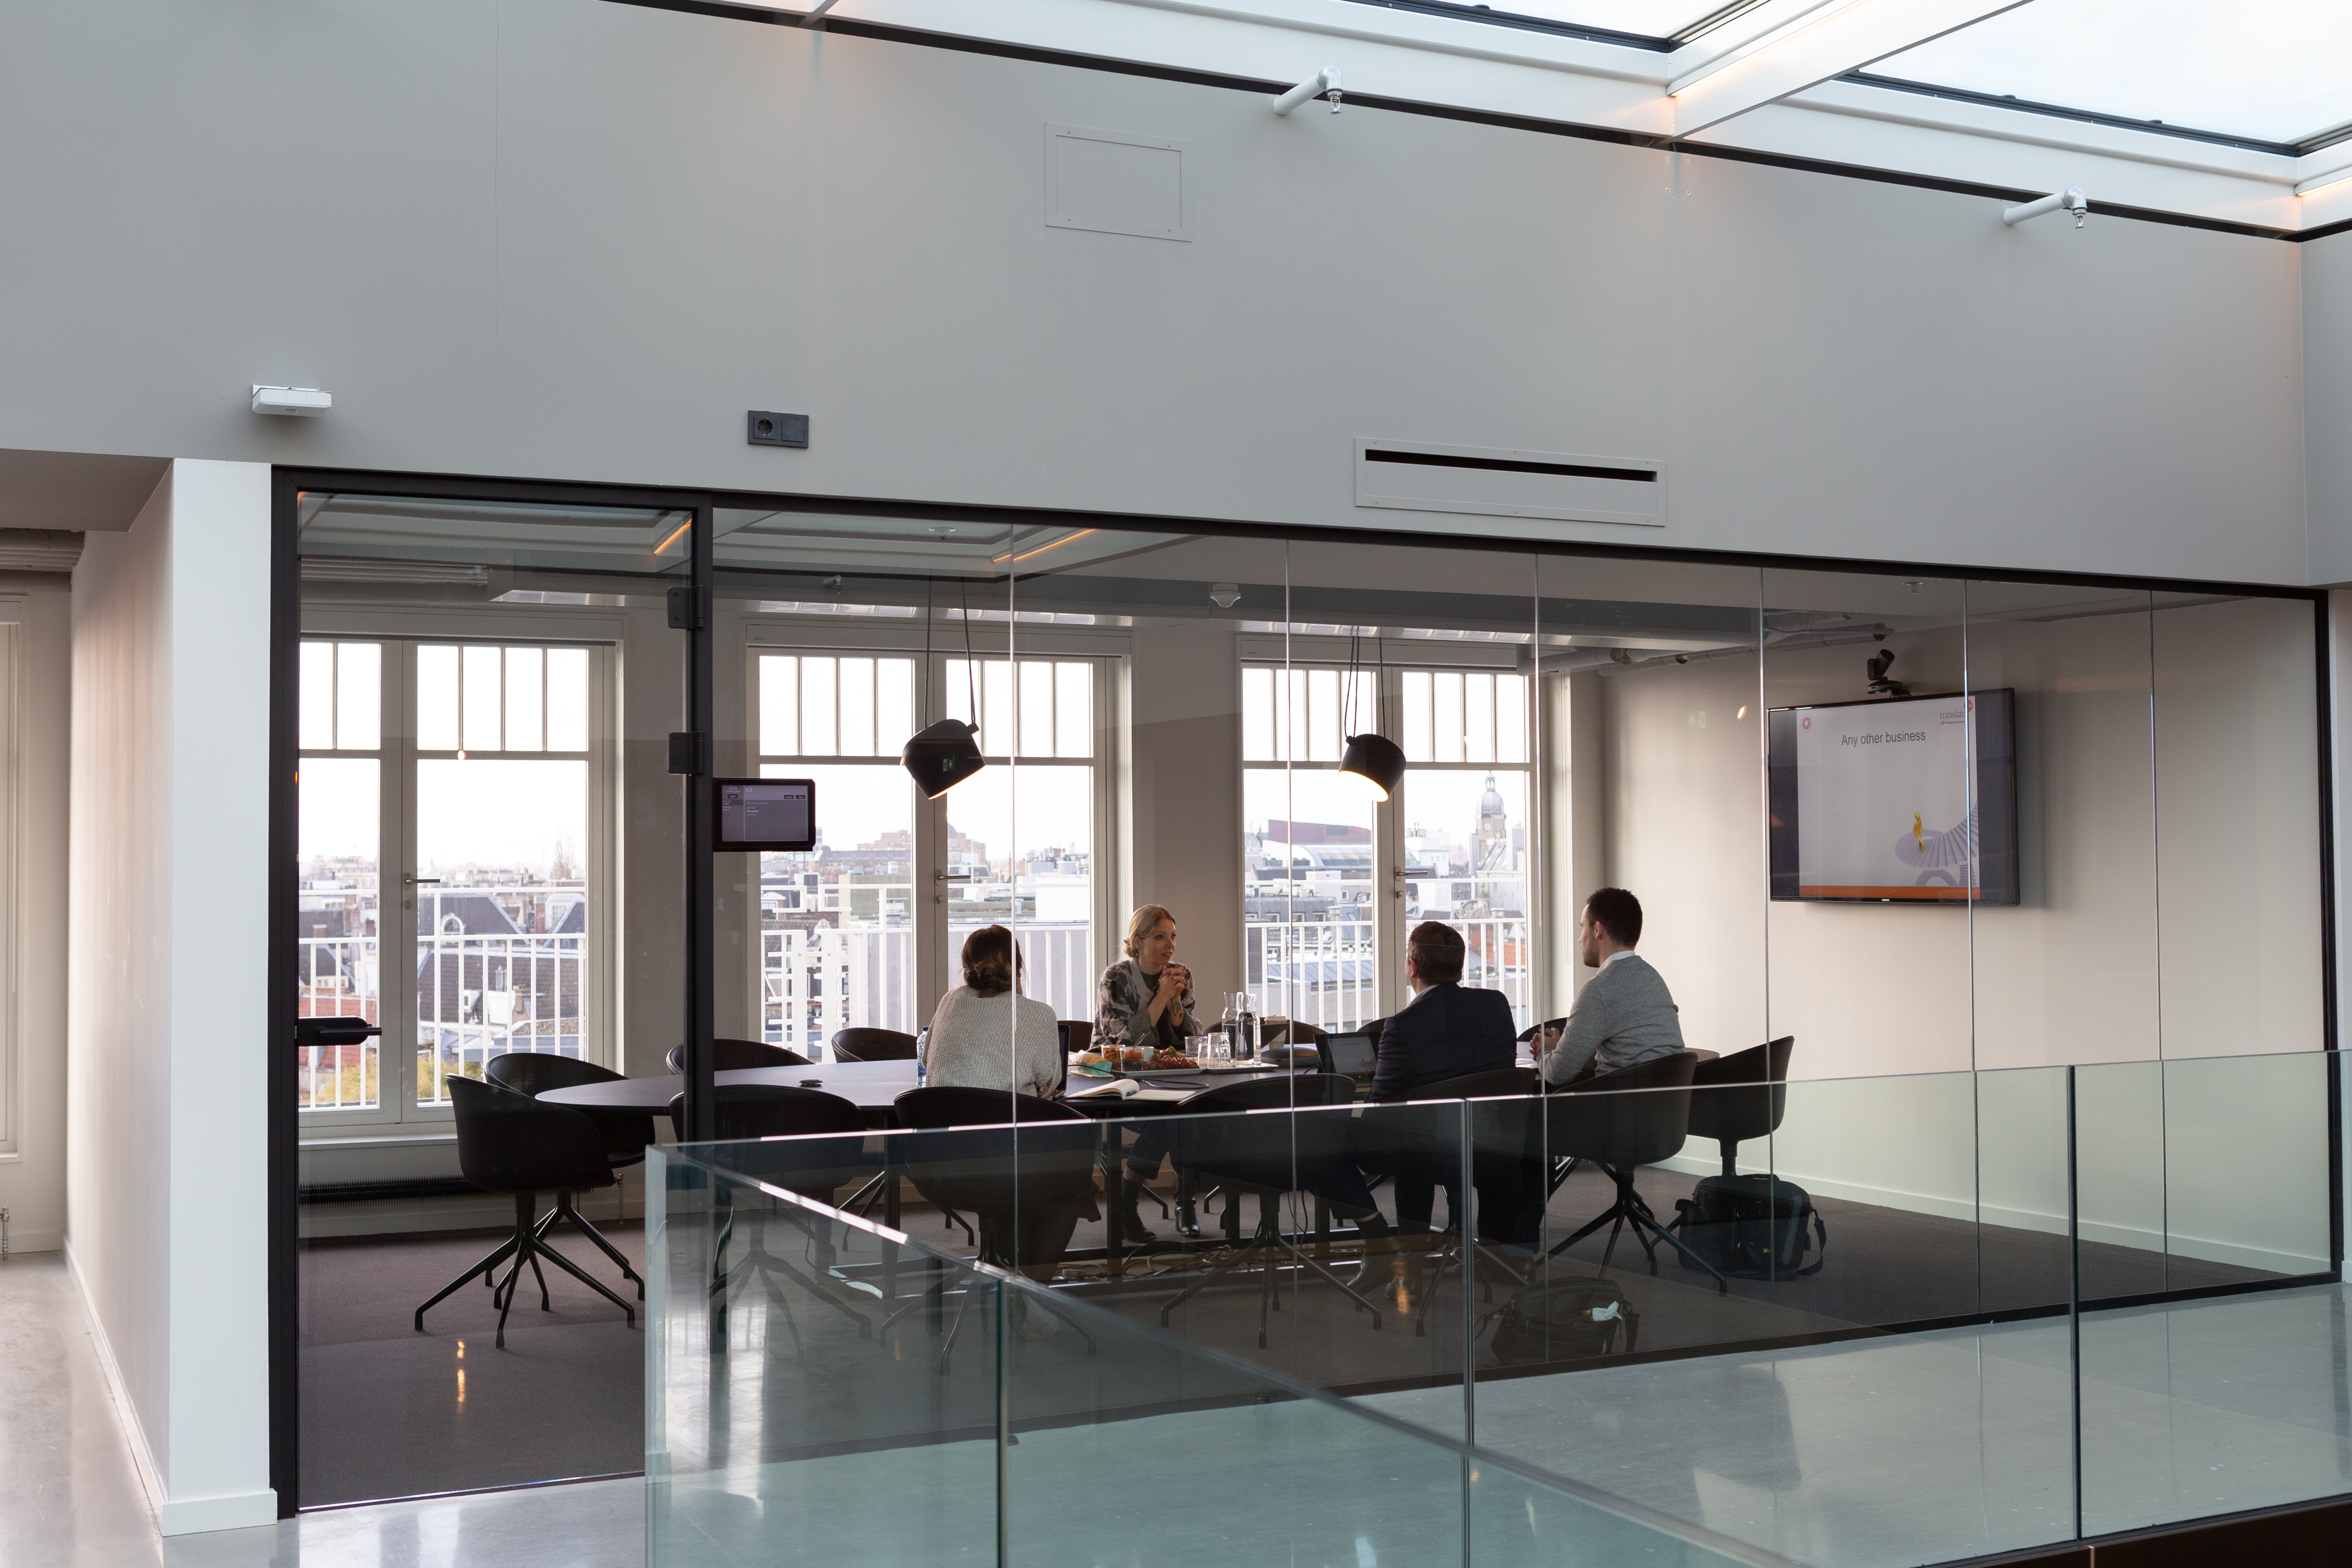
(70, 1498)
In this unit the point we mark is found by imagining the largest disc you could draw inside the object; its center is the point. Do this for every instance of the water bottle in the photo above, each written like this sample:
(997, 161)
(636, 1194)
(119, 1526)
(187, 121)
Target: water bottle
(922, 1055)
(1245, 1035)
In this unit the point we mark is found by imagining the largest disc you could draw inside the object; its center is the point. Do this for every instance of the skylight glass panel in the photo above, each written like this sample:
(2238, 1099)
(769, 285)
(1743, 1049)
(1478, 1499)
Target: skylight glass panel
(2266, 70)
(1648, 19)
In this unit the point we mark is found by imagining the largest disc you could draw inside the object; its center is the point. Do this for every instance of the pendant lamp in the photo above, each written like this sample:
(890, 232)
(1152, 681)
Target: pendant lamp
(1373, 766)
(943, 756)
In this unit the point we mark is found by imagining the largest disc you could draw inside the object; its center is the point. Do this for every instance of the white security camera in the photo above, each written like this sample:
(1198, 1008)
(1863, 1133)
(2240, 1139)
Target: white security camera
(2071, 199)
(1323, 83)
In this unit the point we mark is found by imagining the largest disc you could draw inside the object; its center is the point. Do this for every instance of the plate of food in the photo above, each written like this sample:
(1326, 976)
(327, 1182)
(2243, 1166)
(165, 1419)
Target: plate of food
(1133, 1061)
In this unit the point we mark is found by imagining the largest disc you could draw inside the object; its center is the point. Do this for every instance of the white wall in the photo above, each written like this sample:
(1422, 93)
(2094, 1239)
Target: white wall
(33, 1174)
(167, 1036)
(2169, 894)
(589, 236)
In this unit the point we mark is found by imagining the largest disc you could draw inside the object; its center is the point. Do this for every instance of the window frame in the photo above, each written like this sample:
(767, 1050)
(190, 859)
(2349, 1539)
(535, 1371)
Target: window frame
(399, 1115)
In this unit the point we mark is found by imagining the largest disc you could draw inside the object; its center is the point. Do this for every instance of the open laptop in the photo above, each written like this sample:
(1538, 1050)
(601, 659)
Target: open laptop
(1352, 1054)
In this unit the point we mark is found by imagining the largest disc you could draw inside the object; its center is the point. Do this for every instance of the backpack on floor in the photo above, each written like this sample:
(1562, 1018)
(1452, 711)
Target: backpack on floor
(1565, 1320)
(1751, 1227)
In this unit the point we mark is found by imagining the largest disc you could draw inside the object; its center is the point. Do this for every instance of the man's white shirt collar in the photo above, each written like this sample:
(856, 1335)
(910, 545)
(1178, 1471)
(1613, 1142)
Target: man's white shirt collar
(1620, 952)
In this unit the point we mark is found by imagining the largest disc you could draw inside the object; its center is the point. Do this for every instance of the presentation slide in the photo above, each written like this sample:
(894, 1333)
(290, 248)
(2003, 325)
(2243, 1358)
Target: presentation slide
(1883, 807)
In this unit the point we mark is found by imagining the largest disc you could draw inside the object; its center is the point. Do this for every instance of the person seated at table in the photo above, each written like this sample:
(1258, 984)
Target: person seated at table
(1624, 1016)
(1446, 1031)
(1143, 1000)
(986, 1035)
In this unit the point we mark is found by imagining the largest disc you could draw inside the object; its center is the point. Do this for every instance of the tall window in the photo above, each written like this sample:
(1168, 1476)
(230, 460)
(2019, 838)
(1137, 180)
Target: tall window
(1463, 814)
(1317, 855)
(1310, 927)
(1021, 849)
(836, 924)
(445, 842)
(501, 840)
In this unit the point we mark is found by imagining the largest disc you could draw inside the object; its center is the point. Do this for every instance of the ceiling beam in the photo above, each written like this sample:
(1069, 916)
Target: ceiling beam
(1823, 42)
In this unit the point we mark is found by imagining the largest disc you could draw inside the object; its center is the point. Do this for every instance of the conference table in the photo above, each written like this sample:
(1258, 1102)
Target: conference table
(874, 1087)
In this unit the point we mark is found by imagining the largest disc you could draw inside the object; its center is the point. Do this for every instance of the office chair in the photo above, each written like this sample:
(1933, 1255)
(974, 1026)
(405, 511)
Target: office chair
(1267, 1157)
(862, 1044)
(1621, 1121)
(819, 1146)
(1504, 1154)
(996, 1174)
(626, 1132)
(509, 1143)
(736, 1056)
(1742, 1096)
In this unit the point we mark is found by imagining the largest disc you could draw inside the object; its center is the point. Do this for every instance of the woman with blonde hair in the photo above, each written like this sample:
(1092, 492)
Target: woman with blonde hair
(1144, 999)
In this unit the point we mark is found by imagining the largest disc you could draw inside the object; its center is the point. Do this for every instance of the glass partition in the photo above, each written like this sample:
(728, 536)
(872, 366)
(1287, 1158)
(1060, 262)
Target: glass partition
(486, 874)
(1719, 1376)
(1006, 1422)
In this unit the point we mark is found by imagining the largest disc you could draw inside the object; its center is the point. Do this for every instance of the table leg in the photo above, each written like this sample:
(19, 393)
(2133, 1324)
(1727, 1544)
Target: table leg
(1113, 1161)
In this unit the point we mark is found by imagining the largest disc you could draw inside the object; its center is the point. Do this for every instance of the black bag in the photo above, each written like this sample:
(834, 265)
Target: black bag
(1565, 1320)
(1751, 1227)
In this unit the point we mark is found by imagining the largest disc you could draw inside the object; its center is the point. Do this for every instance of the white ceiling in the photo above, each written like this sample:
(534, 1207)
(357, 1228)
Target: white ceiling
(2236, 111)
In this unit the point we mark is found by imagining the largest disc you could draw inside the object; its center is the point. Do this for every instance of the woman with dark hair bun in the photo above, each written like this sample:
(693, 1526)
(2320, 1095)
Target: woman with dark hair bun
(986, 1035)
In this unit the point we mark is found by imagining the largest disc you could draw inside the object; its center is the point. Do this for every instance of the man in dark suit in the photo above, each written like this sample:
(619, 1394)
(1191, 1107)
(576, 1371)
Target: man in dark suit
(1445, 1031)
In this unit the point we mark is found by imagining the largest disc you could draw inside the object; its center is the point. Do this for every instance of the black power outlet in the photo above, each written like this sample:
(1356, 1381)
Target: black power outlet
(764, 428)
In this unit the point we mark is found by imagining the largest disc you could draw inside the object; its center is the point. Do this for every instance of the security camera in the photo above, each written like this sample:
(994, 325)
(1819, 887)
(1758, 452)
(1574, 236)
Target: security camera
(2070, 199)
(1323, 83)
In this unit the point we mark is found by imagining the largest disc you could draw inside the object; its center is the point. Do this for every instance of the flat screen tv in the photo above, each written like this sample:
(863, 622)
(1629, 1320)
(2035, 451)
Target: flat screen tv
(1899, 800)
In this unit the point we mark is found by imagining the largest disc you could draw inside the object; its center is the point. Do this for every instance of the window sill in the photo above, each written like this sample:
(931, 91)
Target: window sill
(381, 1140)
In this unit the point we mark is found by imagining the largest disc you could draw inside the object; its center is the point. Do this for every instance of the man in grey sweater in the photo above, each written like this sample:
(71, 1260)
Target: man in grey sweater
(1624, 1014)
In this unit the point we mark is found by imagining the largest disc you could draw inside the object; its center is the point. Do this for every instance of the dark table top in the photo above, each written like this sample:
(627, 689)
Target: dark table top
(872, 1086)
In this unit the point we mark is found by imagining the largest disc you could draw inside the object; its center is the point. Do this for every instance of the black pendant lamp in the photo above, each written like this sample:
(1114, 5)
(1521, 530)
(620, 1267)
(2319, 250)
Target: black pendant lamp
(1372, 765)
(943, 756)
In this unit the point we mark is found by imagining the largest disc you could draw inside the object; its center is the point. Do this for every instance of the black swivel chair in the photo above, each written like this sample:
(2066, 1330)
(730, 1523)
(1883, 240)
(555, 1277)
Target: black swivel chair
(736, 1056)
(817, 1148)
(1621, 1121)
(509, 1143)
(1216, 1144)
(872, 1045)
(1742, 1096)
(626, 1132)
(1505, 1159)
(1001, 1175)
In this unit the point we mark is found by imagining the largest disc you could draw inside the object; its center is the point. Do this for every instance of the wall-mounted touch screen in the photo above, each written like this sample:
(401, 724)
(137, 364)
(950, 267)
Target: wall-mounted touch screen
(1897, 801)
(766, 813)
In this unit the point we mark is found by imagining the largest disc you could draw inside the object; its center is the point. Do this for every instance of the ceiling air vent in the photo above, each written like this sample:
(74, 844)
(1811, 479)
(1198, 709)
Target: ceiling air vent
(1507, 481)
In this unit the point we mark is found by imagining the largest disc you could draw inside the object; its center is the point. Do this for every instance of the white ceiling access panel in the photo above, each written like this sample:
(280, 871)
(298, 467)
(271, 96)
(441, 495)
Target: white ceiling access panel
(1509, 481)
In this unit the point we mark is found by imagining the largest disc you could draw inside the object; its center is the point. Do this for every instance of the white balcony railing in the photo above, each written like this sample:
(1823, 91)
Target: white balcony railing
(814, 982)
(1328, 974)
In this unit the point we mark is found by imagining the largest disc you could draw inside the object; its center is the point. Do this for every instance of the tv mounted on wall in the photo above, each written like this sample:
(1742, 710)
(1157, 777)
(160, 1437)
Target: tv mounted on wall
(1896, 801)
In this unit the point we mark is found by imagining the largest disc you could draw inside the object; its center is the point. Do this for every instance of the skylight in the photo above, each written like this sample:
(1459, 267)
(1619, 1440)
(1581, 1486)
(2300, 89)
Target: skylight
(2267, 70)
(1643, 18)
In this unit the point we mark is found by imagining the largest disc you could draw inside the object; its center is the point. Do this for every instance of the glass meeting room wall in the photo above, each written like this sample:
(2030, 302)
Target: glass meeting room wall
(1162, 715)
(486, 866)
